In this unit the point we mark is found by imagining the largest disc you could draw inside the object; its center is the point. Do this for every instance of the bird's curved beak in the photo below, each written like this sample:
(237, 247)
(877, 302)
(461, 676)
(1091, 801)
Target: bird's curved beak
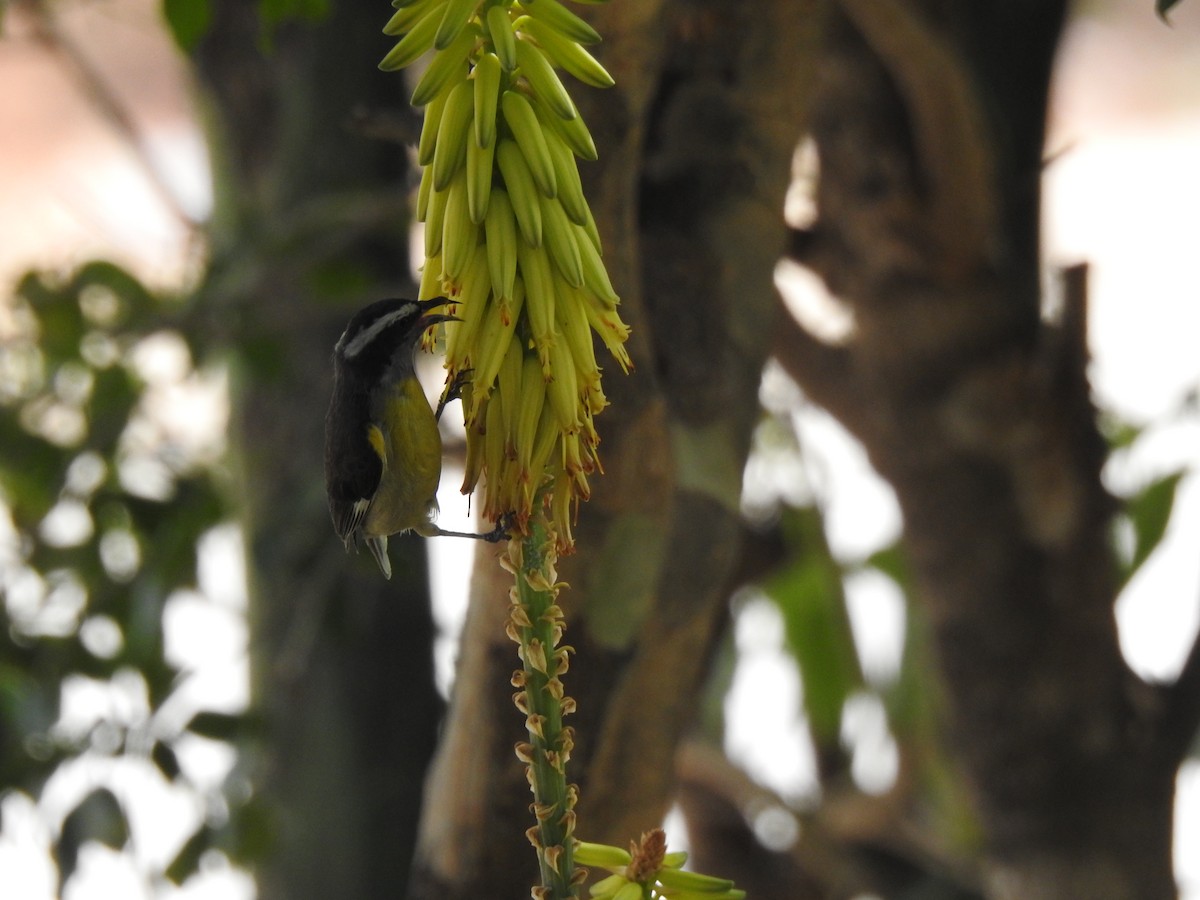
(435, 303)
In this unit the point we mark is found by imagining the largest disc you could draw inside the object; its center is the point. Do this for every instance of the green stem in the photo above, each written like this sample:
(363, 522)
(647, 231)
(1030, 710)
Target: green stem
(537, 624)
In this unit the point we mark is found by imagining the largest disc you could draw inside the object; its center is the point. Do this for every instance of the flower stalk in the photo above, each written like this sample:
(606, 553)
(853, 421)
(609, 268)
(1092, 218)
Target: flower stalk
(535, 624)
(511, 240)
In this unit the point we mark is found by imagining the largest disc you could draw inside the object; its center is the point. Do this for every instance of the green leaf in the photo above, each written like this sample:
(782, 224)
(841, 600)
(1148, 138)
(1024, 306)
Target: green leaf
(1149, 512)
(276, 12)
(138, 308)
(810, 596)
(254, 828)
(189, 20)
(1119, 433)
(31, 472)
(61, 324)
(187, 861)
(111, 405)
(29, 707)
(1162, 7)
(98, 817)
(165, 760)
(892, 562)
(218, 726)
(173, 527)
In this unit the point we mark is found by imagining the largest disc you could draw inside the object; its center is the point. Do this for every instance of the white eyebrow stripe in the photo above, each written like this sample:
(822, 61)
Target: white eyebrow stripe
(364, 337)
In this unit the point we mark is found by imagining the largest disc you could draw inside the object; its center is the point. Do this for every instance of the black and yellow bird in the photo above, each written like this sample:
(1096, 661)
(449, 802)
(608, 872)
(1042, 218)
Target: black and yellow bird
(383, 452)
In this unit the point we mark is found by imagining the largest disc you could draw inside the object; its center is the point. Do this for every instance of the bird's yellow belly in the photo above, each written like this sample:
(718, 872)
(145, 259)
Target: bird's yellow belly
(407, 440)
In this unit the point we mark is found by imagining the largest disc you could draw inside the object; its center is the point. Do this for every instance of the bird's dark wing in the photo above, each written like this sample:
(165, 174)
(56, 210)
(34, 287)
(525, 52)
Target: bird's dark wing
(353, 468)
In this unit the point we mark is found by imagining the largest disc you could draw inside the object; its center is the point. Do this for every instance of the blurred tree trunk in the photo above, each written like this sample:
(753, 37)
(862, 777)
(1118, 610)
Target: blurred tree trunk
(311, 223)
(929, 122)
(928, 118)
(696, 142)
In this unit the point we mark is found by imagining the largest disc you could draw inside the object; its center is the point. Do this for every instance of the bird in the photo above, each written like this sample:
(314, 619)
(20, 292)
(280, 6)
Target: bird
(383, 451)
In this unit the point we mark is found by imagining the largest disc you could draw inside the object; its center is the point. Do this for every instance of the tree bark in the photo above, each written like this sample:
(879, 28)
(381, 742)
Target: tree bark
(311, 224)
(696, 142)
(929, 124)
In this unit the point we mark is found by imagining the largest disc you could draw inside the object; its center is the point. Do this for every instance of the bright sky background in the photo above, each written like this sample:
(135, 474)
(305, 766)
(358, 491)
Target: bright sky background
(1122, 193)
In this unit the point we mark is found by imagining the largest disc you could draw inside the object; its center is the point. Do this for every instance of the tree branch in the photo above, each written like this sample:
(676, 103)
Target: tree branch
(980, 417)
(1075, 309)
(824, 371)
(1180, 717)
(947, 127)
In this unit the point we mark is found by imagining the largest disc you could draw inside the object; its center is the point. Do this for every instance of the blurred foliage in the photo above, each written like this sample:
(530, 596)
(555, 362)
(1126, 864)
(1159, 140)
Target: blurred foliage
(190, 20)
(1148, 511)
(275, 12)
(808, 587)
(1145, 511)
(809, 594)
(104, 525)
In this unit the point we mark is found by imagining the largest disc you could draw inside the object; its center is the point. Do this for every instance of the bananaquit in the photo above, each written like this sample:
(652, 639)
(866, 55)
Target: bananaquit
(383, 452)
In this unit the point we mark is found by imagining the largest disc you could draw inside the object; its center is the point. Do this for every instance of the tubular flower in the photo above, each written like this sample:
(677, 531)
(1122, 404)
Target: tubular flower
(509, 236)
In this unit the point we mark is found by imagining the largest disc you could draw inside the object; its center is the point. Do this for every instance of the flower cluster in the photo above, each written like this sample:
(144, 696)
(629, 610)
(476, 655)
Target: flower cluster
(509, 236)
(535, 624)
